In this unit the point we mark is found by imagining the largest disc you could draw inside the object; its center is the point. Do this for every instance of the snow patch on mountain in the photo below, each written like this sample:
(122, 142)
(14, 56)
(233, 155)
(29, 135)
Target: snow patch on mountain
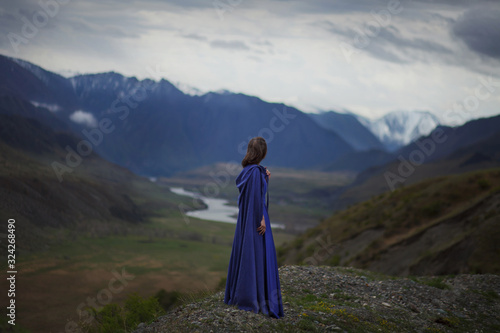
(109, 83)
(37, 71)
(50, 107)
(188, 90)
(224, 92)
(399, 128)
(69, 73)
(102, 81)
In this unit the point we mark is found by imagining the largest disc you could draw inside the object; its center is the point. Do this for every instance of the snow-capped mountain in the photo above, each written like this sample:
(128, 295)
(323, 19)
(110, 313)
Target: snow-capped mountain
(40, 73)
(105, 83)
(157, 129)
(399, 128)
(188, 89)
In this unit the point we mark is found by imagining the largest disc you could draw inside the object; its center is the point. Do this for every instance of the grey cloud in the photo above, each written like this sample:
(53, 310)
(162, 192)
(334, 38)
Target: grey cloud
(101, 29)
(439, 17)
(381, 53)
(195, 37)
(231, 45)
(110, 21)
(479, 29)
(329, 6)
(182, 3)
(392, 36)
(298, 7)
(219, 43)
(256, 59)
(465, 3)
(11, 18)
(9, 23)
(264, 43)
(387, 43)
(263, 47)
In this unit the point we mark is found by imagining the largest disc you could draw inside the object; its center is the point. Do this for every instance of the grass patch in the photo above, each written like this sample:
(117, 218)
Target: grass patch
(437, 282)
(491, 295)
(113, 318)
(432, 209)
(308, 324)
(369, 275)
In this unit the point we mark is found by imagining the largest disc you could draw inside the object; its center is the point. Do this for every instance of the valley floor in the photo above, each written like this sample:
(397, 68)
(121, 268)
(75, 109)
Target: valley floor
(55, 285)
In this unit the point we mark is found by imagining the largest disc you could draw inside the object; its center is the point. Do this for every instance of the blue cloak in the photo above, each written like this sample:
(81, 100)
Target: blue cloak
(252, 278)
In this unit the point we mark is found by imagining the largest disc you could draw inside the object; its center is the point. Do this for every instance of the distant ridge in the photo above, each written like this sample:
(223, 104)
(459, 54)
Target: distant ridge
(158, 130)
(349, 128)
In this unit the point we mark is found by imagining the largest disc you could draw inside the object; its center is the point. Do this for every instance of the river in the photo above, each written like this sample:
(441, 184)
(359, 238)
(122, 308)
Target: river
(217, 209)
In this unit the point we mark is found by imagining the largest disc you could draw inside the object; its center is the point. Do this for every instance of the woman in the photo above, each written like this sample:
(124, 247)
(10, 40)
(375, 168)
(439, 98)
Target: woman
(252, 279)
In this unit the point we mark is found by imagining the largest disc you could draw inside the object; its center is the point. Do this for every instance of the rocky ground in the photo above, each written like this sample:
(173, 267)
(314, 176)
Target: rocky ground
(335, 299)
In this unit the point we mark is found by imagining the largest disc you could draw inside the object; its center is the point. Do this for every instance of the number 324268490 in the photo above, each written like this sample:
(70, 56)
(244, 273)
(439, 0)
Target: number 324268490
(11, 258)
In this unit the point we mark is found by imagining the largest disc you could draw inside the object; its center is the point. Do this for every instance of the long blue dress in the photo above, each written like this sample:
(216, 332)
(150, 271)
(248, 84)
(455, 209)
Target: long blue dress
(252, 279)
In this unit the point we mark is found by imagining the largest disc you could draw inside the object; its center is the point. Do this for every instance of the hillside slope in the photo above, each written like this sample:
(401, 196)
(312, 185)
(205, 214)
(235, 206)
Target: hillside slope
(326, 299)
(446, 140)
(470, 147)
(444, 225)
(97, 197)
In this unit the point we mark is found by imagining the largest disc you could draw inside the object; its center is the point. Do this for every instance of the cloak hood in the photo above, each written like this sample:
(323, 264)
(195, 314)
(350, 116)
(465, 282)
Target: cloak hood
(247, 173)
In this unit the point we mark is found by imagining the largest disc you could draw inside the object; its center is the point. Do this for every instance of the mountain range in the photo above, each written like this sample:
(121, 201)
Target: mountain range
(155, 129)
(389, 132)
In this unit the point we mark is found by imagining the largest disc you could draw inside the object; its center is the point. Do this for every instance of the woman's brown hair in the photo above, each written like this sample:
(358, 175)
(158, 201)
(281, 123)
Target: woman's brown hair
(256, 151)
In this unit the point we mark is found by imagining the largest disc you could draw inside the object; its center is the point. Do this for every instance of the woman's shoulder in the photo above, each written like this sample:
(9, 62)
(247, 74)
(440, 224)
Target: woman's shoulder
(250, 173)
(255, 168)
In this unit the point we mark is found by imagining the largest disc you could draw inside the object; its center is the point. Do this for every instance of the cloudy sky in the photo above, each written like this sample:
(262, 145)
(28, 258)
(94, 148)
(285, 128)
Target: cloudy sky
(368, 57)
